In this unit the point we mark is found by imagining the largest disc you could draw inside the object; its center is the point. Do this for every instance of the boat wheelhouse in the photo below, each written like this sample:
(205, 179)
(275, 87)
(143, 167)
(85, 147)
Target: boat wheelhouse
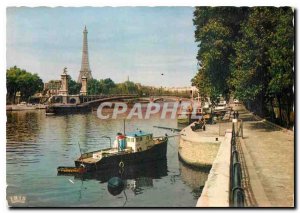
(139, 141)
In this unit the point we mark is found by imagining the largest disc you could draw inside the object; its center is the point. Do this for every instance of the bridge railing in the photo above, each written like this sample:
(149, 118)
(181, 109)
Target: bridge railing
(88, 98)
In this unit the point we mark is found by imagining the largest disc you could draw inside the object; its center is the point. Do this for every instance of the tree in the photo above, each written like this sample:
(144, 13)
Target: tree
(281, 57)
(216, 30)
(107, 85)
(20, 80)
(248, 53)
(94, 87)
(262, 71)
(73, 86)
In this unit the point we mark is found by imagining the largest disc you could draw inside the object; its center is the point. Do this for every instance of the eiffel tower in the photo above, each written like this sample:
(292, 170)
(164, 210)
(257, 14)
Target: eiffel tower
(85, 66)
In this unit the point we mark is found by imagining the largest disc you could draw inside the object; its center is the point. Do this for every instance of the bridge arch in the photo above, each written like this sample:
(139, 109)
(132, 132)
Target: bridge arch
(72, 101)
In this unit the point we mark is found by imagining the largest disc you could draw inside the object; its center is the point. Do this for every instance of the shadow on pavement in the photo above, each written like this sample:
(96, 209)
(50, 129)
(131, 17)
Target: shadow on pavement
(263, 127)
(248, 118)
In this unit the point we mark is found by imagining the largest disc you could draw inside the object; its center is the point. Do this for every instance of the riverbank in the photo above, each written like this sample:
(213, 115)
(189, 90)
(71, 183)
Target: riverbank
(267, 161)
(216, 191)
(199, 148)
(21, 107)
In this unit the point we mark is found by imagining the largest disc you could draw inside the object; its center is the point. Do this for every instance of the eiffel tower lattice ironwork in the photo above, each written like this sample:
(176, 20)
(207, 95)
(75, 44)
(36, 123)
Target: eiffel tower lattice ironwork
(85, 66)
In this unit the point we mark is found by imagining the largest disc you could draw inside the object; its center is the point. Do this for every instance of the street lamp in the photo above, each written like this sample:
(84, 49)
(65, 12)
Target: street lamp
(108, 138)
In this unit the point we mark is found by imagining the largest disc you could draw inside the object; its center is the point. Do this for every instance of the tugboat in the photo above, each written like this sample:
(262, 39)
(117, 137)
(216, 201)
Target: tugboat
(129, 149)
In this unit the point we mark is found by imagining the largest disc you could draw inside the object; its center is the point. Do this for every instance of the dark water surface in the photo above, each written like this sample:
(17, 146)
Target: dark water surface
(37, 144)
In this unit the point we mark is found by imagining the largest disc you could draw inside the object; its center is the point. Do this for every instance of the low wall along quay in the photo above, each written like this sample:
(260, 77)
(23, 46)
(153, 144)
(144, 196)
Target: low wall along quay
(216, 191)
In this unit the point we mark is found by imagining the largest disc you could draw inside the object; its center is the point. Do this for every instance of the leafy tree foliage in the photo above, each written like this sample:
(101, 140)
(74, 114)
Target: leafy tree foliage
(108, 85)
(216, 29)
(247, 53)
(94, 87)
(20, 80)
(262, 70)
(73, 86)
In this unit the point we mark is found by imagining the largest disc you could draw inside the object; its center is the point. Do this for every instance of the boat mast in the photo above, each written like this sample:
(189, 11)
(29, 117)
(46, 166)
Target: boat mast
(124, 127)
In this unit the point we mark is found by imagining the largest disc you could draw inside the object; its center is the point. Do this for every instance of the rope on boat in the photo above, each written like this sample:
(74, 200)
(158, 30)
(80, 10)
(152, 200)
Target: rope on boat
(121, 170)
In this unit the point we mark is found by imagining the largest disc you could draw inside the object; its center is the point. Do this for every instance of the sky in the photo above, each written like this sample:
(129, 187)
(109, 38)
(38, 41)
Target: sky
(139, 42)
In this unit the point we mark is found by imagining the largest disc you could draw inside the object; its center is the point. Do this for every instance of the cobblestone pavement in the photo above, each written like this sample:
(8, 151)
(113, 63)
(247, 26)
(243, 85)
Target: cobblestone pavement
(271, 170)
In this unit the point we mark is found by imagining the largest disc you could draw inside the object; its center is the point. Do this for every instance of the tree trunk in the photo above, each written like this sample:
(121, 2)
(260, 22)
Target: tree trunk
(272, 107)
(280, 107)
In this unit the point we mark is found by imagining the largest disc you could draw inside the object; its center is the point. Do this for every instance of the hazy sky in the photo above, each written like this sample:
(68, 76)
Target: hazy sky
(139, 42)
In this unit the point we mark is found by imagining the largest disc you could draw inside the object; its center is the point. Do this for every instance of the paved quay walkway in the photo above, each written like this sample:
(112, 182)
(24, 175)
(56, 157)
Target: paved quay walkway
(267, 159)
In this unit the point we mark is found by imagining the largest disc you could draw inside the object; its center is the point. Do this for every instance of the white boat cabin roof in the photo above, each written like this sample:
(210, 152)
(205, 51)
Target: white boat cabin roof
(137, 134)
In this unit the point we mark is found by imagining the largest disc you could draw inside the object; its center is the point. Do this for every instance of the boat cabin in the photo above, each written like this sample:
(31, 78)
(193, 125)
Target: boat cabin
(139, 141)
(136, 141)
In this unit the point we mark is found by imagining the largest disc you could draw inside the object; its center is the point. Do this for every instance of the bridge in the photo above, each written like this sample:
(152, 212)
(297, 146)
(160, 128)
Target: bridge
(162, 98)
(79, 104)
(97, 102)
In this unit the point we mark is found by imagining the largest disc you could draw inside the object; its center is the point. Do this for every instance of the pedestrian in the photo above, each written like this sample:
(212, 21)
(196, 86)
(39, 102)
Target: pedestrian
(237, 114)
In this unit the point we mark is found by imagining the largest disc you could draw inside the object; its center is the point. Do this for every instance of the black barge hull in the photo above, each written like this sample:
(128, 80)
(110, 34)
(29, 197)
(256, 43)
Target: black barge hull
(68, 109)
(157, 152)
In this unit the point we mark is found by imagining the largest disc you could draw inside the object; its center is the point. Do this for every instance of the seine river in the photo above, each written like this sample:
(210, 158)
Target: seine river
(37, 144)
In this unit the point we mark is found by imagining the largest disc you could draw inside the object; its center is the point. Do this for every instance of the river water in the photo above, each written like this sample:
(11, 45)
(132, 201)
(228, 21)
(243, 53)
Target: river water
(37, 144)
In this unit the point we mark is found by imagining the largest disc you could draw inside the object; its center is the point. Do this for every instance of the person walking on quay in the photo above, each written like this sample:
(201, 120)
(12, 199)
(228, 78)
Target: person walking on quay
(234, 114)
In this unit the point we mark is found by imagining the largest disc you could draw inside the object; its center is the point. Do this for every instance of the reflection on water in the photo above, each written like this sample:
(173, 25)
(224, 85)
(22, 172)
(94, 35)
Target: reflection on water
(136, 178)
(194, 177)
(154, 170)
(36, 145)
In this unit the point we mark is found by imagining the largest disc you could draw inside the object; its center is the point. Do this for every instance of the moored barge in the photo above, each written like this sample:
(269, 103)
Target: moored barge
(130, 149)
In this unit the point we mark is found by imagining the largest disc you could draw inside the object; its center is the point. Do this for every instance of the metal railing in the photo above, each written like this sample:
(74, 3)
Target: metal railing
(237, 195)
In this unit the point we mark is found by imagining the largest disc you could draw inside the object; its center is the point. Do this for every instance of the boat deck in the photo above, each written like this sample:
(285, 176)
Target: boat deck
(98, 155)
(94, 157)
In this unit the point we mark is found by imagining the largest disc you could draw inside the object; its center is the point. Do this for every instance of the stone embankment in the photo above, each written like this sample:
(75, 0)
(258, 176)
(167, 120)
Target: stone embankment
(199, 148)
(267, 158)
(209, 148)
(216, 189)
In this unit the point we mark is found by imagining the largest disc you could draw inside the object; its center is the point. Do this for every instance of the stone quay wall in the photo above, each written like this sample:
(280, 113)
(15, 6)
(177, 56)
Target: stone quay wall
(199, 148)
(216, 190)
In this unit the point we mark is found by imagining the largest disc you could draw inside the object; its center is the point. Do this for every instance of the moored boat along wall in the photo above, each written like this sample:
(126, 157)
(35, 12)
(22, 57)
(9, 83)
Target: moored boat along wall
(216, 189)
(199, 148)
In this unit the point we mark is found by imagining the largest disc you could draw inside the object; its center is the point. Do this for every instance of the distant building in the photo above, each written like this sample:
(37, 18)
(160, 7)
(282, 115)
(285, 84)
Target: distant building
(181, 89)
